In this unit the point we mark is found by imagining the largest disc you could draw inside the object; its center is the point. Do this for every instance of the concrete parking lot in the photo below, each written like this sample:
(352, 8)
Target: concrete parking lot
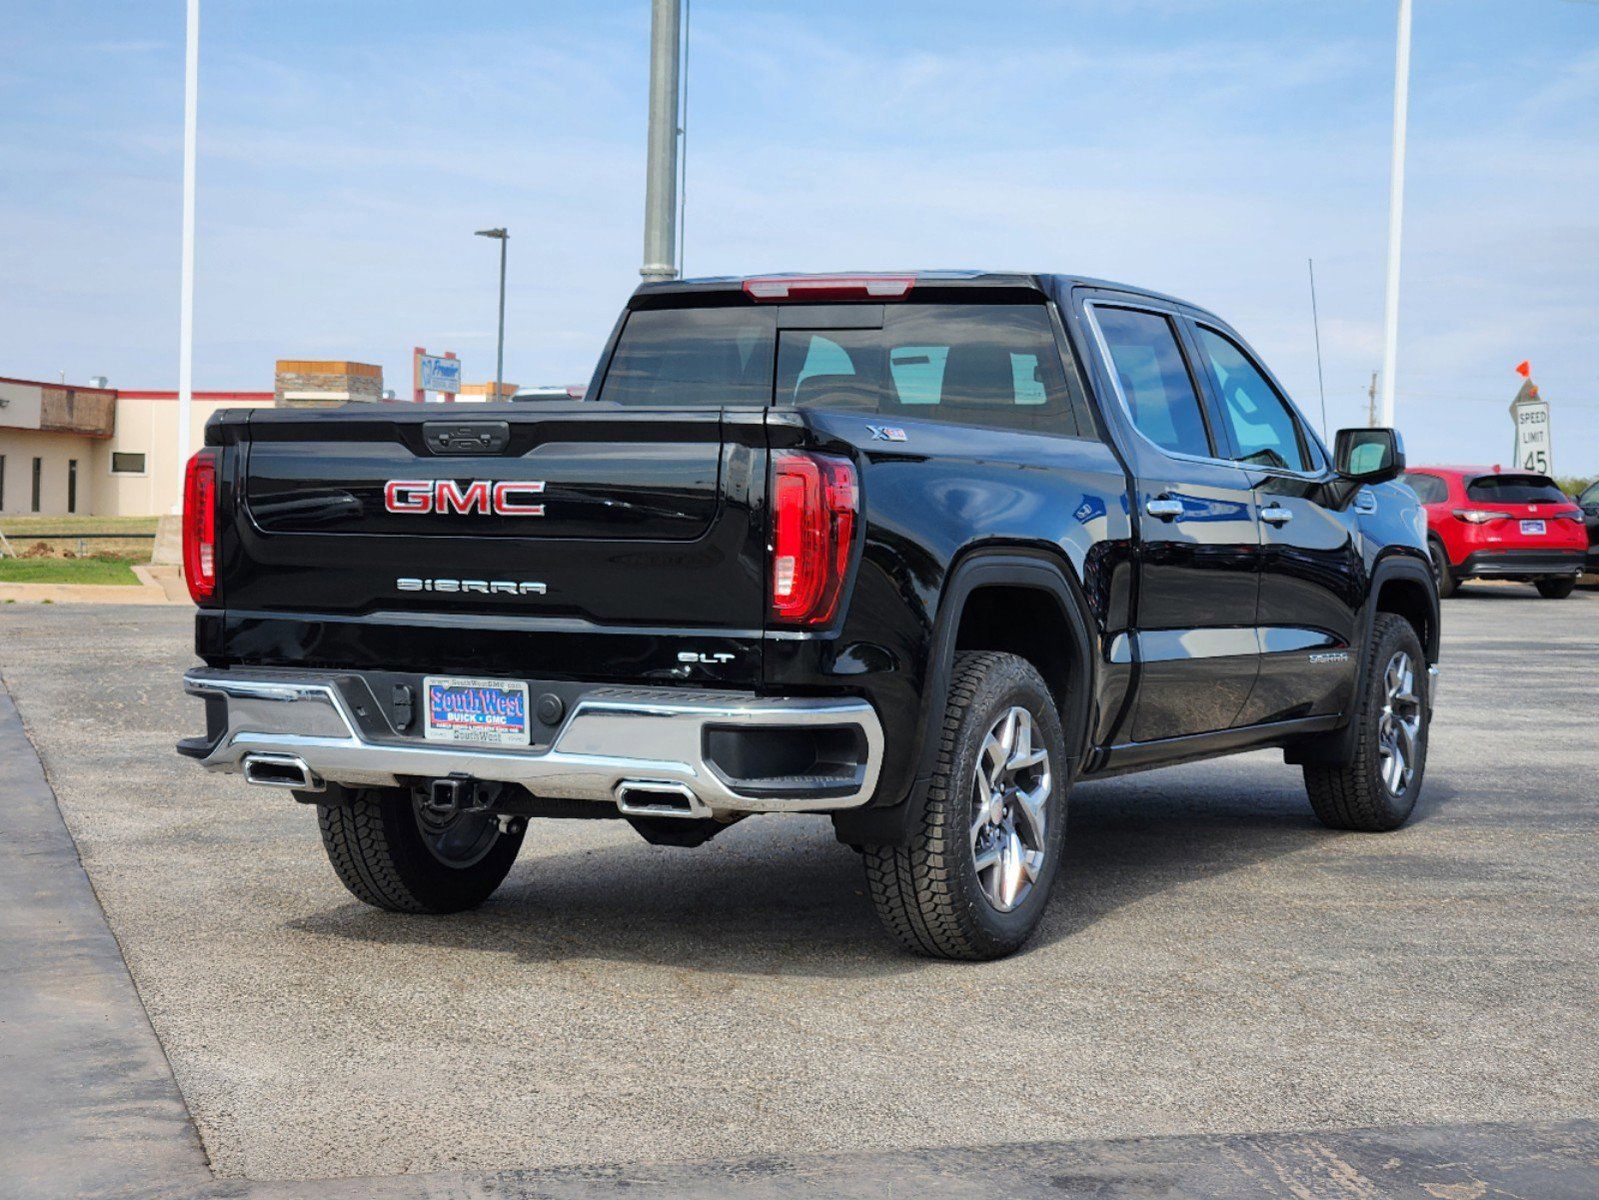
(1217, 965)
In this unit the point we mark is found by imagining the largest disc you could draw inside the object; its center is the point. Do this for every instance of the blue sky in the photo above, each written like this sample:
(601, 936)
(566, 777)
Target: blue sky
(1207, 148)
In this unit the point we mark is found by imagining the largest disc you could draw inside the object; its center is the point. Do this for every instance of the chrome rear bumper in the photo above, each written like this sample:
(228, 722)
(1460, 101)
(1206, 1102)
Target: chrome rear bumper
(613, 740)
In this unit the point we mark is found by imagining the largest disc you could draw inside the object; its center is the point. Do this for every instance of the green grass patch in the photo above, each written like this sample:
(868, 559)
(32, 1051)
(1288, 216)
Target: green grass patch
(20, 527)
(69, 570)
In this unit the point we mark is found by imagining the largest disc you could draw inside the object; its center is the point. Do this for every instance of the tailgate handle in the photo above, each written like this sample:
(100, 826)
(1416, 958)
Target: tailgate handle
(467, 437)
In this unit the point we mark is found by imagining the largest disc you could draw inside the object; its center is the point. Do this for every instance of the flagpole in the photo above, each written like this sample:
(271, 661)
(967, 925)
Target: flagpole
(191, 102)
(1396, 211)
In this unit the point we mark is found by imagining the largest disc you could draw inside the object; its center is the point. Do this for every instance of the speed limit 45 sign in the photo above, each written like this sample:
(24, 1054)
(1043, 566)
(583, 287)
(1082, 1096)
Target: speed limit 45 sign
(1531, 415)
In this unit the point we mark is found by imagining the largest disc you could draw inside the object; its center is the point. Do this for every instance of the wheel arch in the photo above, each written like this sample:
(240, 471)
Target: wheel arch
(984, 585)
(1401, 584)
(1406, 587)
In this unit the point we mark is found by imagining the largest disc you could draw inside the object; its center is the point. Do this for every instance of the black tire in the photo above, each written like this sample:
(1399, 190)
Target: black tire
(1555, 589)
(377, 847)
(930, 893)
(1442, 571)
(1356, 796)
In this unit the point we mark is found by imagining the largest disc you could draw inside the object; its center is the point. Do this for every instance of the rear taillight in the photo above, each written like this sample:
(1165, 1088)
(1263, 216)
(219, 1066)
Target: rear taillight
(1480, 516)
(200, 525)
(815, 500)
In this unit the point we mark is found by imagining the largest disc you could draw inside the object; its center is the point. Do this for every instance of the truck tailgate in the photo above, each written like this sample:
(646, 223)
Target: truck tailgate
(373, 533)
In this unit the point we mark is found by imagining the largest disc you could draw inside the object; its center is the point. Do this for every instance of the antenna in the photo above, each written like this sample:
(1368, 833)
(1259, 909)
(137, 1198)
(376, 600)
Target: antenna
(1315, 324)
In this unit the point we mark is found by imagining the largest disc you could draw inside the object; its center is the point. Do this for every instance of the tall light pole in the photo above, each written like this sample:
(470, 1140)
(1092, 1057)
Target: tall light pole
(191, 104)
(660, 183)
(502, 236)
(1396, 211)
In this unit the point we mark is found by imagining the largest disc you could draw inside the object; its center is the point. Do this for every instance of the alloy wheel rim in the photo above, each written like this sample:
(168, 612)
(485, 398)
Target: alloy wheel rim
(458, 840)
(1011, 787)
(1399, 725)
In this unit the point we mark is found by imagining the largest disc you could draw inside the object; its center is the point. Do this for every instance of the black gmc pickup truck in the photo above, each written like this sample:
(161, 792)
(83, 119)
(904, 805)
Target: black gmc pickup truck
(915, 551)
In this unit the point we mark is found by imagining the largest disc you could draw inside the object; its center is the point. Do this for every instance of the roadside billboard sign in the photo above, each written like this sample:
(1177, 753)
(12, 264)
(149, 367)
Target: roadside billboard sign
(439, 374)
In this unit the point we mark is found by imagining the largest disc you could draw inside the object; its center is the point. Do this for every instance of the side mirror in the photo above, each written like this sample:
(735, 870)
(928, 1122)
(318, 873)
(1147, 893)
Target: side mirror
(1368, 455)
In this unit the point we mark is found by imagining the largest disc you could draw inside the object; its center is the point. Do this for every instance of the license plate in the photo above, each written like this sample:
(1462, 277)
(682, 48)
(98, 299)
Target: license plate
(487, 712)
(1532, 527)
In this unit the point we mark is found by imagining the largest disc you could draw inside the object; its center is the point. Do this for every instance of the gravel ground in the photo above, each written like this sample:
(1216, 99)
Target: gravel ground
(1216, 962)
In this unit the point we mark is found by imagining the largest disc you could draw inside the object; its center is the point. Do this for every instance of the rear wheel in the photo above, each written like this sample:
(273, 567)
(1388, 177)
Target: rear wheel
(976, 875)
(1442, 571)
(1555, 589)
(1376, 790)
(394, 853)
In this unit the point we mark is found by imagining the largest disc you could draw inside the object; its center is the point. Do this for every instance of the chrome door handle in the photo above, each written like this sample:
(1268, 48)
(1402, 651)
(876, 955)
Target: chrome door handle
(1164, 508)
(1277, 515)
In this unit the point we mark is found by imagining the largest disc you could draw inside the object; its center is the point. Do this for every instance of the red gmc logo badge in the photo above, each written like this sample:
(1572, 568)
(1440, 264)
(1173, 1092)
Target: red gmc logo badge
(506, 498)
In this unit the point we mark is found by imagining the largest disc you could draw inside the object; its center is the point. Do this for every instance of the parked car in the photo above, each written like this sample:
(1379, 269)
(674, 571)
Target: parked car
(1589, 502)
(912, 551)
(1486, 524)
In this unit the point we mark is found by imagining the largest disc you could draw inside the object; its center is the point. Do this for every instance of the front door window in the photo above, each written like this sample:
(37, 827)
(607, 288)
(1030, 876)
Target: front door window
(1264, 432)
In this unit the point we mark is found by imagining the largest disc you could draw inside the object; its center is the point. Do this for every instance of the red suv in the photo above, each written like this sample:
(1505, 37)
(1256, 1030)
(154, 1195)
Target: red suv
(1492, 525)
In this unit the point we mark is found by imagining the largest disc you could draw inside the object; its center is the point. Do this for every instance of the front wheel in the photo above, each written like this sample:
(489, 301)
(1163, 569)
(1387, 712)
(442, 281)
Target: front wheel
(392, 852)
(1376, 790)
(975, 877)
(1556, 589)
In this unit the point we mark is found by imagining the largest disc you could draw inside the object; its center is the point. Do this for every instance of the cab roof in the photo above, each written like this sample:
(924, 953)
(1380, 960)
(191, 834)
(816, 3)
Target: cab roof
(880, 286)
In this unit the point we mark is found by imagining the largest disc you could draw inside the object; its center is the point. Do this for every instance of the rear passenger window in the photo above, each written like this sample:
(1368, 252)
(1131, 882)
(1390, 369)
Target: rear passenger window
(1429, 489)
(1160, 395)
(995, 365)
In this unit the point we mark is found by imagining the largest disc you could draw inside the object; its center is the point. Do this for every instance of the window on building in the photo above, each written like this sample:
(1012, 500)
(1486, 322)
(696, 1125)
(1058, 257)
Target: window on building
(38, 481)
(72, 485)
(125, 462)
(2, 482)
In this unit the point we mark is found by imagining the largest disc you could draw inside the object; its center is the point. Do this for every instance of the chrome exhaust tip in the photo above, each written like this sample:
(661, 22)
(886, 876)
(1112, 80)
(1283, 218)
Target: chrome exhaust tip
(281, 771)
(646, 798)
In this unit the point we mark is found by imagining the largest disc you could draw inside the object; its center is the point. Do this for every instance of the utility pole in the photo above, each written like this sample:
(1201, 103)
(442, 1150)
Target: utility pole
(1396, 210)
(1371, 402)
(502, 236)
(660, 185)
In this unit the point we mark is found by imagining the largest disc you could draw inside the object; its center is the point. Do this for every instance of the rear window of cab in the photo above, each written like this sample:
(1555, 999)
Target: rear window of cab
(994, 365)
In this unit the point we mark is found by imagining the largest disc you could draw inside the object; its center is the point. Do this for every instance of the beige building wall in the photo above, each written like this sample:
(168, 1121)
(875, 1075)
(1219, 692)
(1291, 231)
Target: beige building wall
(20, 404)
(133, 473)
(148, 426)
(55, 452)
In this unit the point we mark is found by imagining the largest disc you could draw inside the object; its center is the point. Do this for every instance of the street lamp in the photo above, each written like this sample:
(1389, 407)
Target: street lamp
(501, 236)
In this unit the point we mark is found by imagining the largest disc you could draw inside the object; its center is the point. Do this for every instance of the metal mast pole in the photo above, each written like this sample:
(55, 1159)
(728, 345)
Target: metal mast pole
(1396, 211)
(191, 103)
(660, 186)
(499, 354)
